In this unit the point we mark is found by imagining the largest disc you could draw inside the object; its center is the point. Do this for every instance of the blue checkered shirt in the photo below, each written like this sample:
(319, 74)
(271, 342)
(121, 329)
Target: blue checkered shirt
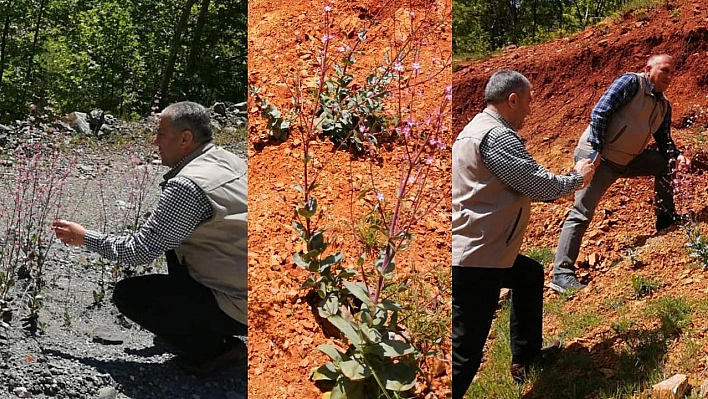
(619, 94)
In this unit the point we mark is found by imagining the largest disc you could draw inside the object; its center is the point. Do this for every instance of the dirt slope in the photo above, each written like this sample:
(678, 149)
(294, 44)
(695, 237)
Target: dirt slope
(283, 333)
(569, 75)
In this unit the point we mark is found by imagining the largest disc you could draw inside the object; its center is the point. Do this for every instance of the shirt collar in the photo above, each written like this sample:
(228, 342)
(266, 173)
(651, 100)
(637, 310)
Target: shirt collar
(500, 118)
(181, 164)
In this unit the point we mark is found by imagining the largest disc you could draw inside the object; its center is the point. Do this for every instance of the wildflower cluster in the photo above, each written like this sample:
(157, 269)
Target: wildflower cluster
(37, 191)
(388, 105)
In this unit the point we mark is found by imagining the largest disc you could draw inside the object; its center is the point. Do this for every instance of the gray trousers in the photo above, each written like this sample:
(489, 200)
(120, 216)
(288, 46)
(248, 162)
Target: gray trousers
(648, 163)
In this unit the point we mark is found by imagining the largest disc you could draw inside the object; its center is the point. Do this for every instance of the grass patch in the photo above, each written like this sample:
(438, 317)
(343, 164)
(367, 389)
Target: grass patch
(578, 323)
(427, 317)
(542, 255)
(674, 314)
(690, 357)
(643, 286)
(616, 302)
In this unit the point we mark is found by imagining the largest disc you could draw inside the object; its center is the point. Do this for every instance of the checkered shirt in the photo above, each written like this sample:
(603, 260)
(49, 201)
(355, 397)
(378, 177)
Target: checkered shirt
(504, 154)
(182, 206)
(619, 94)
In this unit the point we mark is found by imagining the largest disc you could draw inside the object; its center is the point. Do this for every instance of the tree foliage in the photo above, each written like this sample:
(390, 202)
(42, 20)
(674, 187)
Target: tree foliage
(114, 54)
(483, 26)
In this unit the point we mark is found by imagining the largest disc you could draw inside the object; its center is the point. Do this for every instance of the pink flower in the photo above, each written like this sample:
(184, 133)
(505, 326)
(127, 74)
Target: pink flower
(398, 67)
(448, 92)
(327, 9)
(416, 66)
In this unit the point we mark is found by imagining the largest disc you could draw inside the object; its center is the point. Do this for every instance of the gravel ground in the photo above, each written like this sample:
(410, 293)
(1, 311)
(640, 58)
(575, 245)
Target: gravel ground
(87, 350)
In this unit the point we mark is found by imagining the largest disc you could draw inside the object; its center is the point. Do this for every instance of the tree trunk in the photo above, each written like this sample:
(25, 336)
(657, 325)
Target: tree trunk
(35, 39)
(174, 48)
(196, 40)
(3, 46)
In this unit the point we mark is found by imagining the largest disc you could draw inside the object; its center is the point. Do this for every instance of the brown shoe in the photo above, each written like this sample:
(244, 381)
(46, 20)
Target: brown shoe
(235, 354)
(548, 353)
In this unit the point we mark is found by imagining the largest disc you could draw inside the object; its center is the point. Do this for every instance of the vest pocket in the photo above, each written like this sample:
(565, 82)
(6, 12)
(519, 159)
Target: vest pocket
(516, 224)
(617, 136)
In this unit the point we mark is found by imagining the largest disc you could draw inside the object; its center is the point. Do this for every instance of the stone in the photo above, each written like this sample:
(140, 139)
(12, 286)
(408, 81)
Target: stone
(21, 392)
(672, 388)
(104, 335)
(220, 108)
(107, 393)
(78, 121)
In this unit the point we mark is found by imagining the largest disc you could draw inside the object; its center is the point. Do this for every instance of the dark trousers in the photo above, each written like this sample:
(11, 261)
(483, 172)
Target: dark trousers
(179, 310)
(475, 295)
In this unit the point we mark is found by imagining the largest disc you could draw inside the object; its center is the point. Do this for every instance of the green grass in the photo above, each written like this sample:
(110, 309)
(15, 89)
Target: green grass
(543, 255)
(427, 319)
(620, 365)
(674, 314)
(643, 286)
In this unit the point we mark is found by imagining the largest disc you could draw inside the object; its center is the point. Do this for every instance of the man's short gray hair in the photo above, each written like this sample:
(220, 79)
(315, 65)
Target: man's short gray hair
(188, 115)
(502, 84)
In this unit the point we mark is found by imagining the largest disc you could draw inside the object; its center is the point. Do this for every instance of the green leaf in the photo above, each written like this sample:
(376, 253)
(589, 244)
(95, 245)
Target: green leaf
(361, 259)
(317, 240)
(385, 272)
(354, 370)
(299, 261)
(370, 334)
(329, 306)
(308, 209)
(360, 291)
(395, 348)
(333, 259)
(338, 390)
(347, 328)
(332, 352)
(398, 377)
(326, 372)
(346, 273)
(390, 305)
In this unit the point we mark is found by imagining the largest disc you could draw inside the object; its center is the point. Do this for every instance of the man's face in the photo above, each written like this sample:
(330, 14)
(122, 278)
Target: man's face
(523, 107)
(168, 142)
(660, 73)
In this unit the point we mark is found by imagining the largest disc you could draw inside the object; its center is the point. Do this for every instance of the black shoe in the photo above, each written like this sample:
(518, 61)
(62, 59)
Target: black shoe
(236, 353)
(565, 283)
(668, 220)
(519, 372)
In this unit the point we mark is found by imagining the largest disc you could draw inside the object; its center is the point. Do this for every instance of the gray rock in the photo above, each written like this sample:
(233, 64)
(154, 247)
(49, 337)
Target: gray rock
(21, 392)
(220, 108)
(79, 122)
(107, 393)
(104, 335)
(96, 119)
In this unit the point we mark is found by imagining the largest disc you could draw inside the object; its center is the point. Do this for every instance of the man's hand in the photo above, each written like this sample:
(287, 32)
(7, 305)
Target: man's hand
(682, 163)
(69, 232)
(586, 169)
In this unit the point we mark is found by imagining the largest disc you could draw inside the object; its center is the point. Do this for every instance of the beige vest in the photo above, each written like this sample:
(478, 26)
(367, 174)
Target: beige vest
(489, 218)
(216, 252)
(630, 127)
